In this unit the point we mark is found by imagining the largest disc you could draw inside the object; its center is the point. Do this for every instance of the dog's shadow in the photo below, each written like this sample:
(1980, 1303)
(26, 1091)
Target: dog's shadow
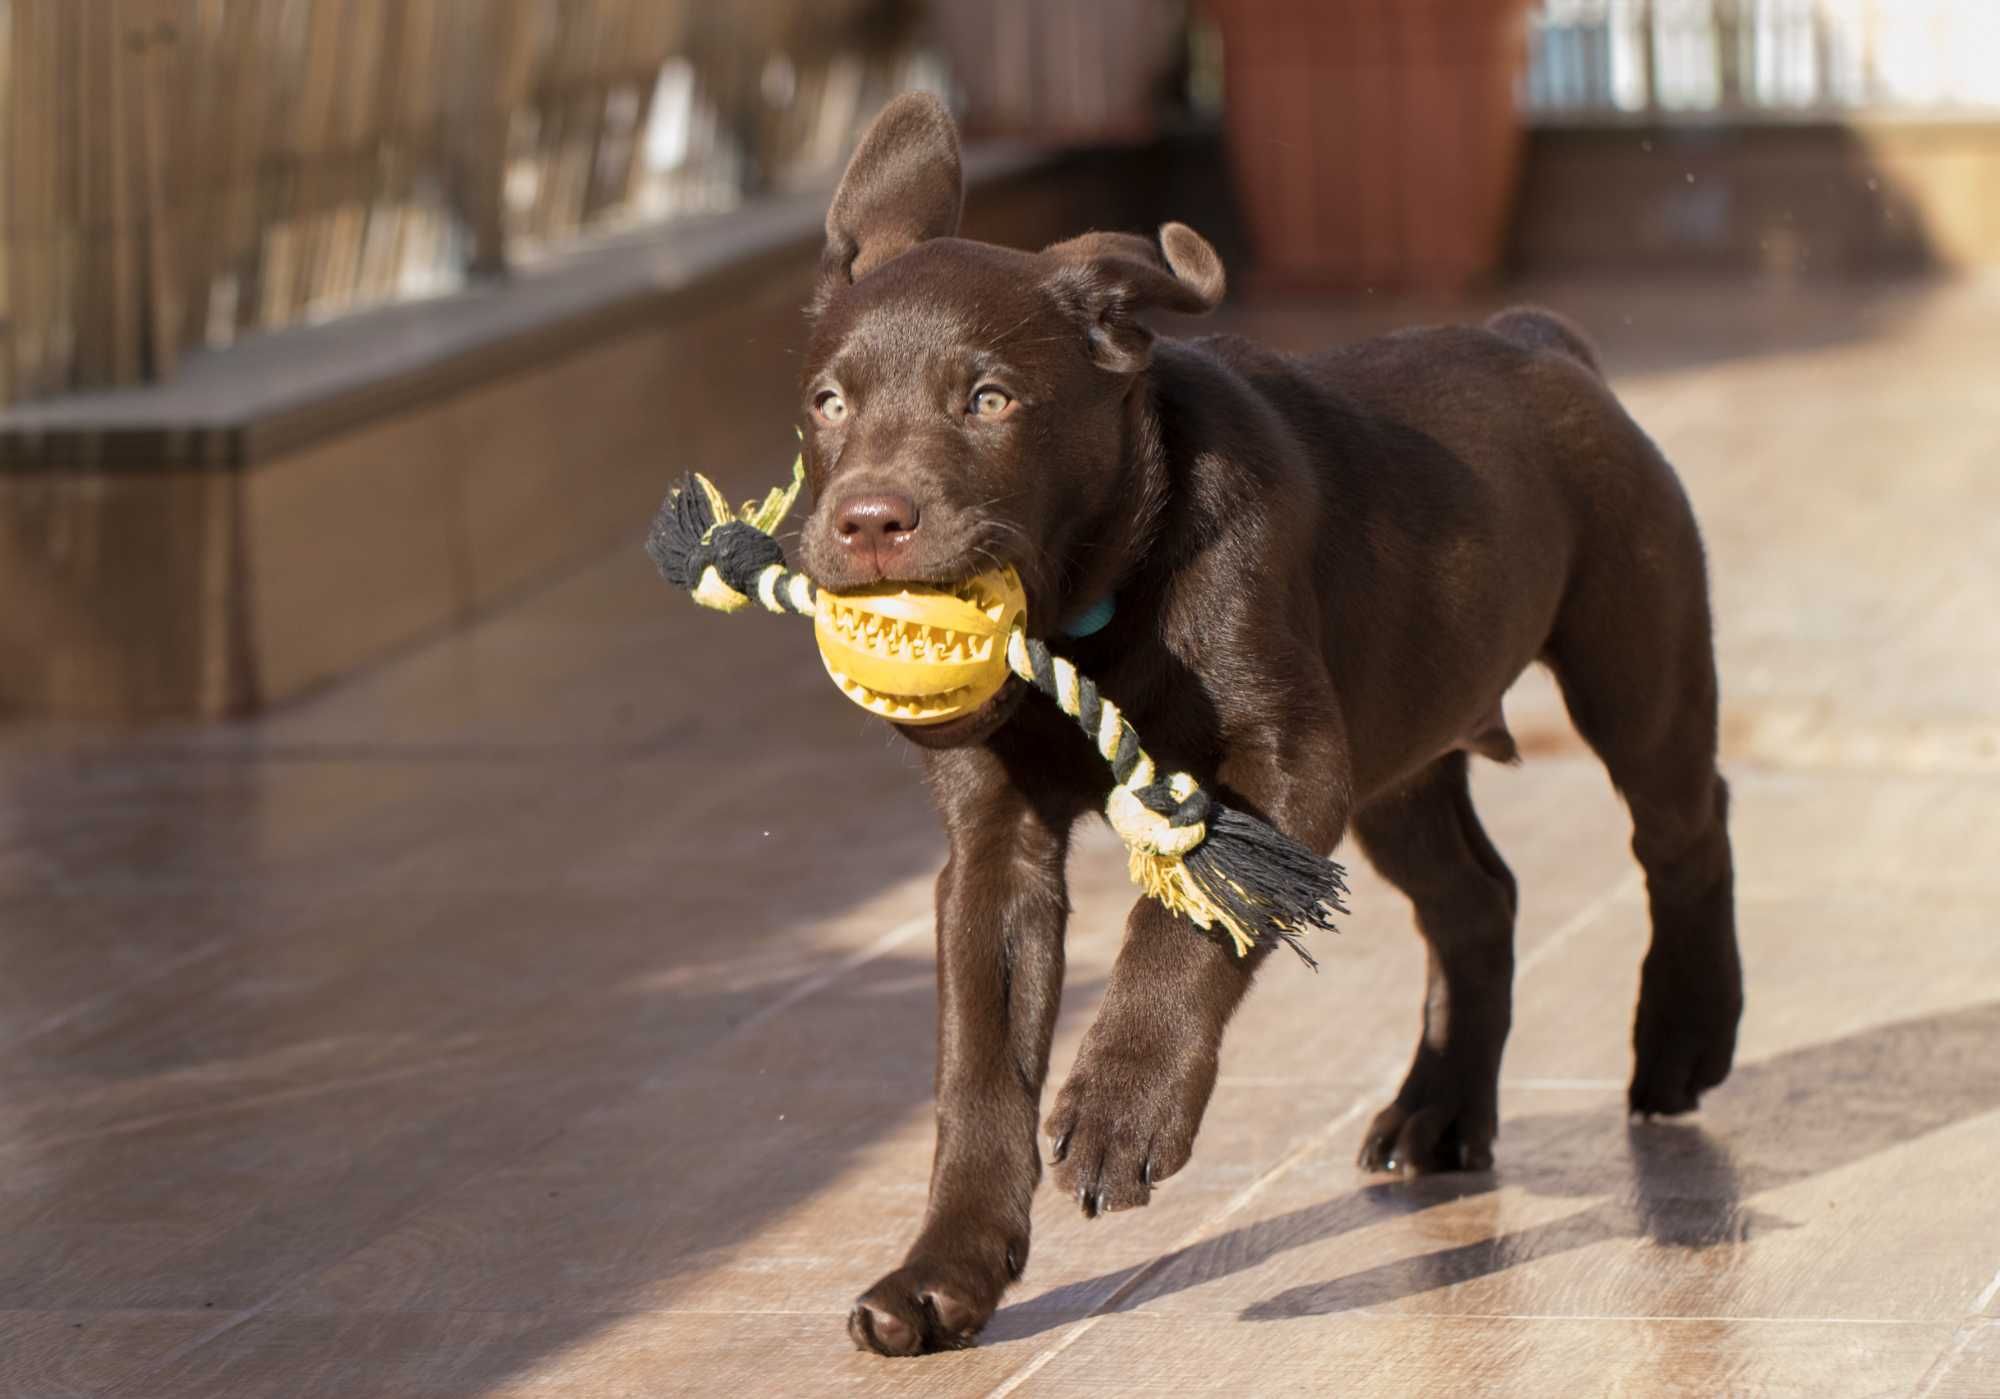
(1683, 1185)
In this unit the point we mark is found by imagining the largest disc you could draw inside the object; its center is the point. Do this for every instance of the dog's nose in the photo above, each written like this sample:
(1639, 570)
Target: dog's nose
(874, 519)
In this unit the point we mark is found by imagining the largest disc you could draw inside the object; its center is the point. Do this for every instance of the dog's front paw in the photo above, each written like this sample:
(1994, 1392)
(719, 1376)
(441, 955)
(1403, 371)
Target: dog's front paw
(932, 1304)
(1124, 1122)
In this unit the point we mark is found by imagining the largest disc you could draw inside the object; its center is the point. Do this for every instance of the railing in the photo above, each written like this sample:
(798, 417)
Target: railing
(178, 173)
(1763, 58)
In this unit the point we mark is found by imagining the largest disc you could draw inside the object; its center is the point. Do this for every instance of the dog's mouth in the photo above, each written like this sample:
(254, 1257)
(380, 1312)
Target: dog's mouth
(922, 655)
(968, 728)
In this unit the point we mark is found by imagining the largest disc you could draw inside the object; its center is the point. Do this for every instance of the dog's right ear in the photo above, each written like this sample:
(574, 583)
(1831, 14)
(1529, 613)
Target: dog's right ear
(903, 186)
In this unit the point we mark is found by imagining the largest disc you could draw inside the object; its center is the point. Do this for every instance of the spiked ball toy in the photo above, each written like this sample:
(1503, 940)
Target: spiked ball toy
(919, 655)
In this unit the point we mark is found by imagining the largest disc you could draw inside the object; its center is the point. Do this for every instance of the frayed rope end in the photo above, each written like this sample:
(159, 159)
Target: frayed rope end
(1239, 875)
(717, 554)
(1266, 883)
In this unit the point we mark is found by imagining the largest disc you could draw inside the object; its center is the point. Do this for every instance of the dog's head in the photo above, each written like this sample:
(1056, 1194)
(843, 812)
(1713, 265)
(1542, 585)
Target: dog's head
(969, 406)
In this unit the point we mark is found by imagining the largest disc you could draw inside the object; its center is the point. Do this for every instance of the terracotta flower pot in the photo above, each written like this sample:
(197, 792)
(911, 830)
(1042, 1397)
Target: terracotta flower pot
(1375, 142)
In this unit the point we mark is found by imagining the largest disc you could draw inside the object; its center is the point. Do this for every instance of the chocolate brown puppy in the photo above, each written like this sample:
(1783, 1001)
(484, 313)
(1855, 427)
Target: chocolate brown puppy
(1325, 571)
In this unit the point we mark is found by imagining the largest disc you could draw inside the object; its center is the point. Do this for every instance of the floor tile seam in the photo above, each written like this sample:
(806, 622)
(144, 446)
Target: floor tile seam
(1948, 1357)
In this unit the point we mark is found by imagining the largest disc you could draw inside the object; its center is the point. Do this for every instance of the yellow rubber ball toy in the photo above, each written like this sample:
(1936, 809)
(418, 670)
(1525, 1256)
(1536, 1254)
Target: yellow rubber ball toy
(920, 655)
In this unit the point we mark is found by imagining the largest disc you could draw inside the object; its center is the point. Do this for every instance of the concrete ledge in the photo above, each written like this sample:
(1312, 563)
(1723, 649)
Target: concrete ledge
(303, 503)
(1858, 196)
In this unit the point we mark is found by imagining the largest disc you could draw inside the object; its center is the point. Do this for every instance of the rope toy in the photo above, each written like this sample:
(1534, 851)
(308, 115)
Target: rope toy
(920, 655)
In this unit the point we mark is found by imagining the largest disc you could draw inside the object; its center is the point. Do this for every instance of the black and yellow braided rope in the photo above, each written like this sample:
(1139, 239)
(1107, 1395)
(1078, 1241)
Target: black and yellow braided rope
(1225, 871)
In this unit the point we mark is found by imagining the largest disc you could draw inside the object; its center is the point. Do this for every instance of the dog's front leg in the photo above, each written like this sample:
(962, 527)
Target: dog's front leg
(1127, 1117)
(1001, 908)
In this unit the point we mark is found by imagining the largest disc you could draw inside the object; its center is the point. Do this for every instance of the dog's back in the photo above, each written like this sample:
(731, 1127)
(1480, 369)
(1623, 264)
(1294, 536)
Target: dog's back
(1468, 488)
(1533, 328)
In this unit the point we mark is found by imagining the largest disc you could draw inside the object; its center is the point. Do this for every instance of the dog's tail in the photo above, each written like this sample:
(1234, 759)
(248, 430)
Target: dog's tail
(1535, 329)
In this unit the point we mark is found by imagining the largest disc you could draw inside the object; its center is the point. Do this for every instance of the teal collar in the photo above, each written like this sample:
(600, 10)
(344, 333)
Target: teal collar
(1092, 619)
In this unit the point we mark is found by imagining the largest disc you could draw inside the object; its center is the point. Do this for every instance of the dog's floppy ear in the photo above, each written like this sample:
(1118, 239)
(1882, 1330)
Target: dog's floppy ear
(902, 187)
(1106, 279)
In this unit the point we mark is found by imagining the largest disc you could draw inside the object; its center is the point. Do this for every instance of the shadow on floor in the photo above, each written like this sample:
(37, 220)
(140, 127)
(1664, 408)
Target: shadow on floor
(1683, 1185)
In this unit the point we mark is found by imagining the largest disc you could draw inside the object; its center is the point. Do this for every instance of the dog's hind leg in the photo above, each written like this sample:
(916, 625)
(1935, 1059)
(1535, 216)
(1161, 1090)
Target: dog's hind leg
(1633, 654)
(1426, 839)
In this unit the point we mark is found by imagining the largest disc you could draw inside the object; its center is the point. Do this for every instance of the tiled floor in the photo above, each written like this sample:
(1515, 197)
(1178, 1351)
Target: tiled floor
(522, 1018)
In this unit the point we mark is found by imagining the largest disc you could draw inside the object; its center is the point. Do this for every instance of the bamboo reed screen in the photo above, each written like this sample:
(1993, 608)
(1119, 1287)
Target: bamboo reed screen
(178, 173)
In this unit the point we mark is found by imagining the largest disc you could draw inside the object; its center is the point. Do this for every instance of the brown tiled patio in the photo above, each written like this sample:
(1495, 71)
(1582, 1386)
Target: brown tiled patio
(516, 1018)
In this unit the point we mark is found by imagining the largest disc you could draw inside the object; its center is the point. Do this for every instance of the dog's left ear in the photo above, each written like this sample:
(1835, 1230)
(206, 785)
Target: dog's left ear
(903, 186)
(1106, 279)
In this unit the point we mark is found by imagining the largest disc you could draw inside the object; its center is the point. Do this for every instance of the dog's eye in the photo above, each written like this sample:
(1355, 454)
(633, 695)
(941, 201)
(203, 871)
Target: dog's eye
(830, 406)
(990, 401)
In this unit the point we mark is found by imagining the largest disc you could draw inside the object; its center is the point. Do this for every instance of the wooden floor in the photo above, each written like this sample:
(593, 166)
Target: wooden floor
(549, 1011)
